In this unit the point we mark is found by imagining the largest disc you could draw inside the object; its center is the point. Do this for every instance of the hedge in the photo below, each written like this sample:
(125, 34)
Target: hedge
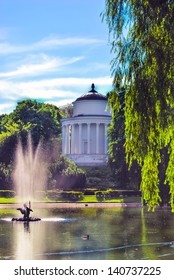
(7, 193)
(116, 193)
(64, 195)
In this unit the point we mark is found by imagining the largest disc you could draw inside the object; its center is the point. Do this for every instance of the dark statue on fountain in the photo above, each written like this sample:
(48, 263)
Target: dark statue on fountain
(25, 211)
(26, 214)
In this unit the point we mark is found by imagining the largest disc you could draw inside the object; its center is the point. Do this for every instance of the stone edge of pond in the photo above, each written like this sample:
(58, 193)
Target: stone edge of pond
(74, 205)
(70, 205)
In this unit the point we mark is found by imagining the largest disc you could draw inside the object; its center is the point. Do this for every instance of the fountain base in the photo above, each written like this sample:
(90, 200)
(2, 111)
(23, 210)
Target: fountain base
(31, 219)
(26, 214)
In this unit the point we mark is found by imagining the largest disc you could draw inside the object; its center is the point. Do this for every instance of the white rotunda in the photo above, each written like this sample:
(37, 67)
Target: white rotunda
(84, 135)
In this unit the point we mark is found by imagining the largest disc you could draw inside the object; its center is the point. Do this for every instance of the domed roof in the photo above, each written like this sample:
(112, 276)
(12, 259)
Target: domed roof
(92, 95)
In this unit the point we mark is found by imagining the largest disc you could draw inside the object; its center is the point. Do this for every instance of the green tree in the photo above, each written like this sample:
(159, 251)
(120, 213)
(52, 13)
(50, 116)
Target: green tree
(5, 176)
(67, 110)
(64, 174)
(117, 160)
(41, 120)
(142, 35)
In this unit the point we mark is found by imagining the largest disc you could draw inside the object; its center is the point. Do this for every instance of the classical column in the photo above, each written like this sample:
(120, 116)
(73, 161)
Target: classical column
(80, 138)
(89, 140)
(106, 139)
(63, 139)
(72, 138)
(97, 138)
(66, 139)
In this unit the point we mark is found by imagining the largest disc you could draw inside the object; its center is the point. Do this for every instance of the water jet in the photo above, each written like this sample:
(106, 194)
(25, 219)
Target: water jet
(29, 176)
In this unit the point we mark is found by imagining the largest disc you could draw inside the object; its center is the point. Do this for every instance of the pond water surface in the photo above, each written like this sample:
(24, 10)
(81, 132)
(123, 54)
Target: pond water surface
(114, 234)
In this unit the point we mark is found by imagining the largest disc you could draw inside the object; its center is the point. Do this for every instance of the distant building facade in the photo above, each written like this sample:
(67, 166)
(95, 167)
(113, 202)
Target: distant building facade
(84, 135)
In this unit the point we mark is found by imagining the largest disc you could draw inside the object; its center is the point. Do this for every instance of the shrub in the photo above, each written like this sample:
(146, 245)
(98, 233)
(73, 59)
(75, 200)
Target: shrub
(53, 194)
(100, 195)
(99, 176)
(129, 193)
(109, 194)
(72, 195)
(64, 195)
(89, 191)
(7, 193)
(64, 174)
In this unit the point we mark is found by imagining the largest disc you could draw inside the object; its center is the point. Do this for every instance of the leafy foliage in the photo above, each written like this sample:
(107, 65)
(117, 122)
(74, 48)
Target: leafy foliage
(99, 177)
(7, 193)
(5, 176)
(43, 123)
(67, 110)
(42, 120)
(57, 195)
(64, 174)
(117, 161)
(142, 34)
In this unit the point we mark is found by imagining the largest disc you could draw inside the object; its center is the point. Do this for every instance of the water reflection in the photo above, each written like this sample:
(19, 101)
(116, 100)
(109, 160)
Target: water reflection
(28, 240)
(113, 234)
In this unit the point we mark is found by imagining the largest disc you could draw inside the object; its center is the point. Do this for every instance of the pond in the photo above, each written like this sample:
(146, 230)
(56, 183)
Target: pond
(114, 234)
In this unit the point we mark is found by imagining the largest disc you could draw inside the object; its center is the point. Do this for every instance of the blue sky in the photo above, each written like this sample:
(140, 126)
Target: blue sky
(52, 51)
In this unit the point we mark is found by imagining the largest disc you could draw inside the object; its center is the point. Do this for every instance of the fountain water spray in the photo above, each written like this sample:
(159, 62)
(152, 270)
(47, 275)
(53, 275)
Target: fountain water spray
(30, 171)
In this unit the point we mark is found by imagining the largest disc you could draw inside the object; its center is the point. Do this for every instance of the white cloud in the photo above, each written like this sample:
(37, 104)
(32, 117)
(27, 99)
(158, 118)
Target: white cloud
(72, 82)
(60, 103)
(48, 64)
(60, 88)
(53, 41)
(35, 90)
(48, 43)
(6, 108)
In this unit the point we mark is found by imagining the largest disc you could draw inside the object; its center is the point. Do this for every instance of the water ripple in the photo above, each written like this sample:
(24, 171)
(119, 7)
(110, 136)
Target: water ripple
(106, 249)
(6, 219)
(56, 219)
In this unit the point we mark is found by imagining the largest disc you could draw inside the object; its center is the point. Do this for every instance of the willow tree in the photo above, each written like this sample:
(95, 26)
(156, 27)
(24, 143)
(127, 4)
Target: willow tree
(142, 37)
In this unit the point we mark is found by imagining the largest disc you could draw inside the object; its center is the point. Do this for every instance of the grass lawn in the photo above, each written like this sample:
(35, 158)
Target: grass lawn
(86, 198)
(7, 200)
(92, 198)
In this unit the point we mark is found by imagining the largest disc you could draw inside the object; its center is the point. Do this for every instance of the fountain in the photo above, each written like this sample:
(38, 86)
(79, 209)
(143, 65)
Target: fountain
(30, 173)
(26, 214)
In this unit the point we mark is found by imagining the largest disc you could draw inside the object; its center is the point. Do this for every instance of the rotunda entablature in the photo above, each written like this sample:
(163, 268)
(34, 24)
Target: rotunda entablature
(86, 119)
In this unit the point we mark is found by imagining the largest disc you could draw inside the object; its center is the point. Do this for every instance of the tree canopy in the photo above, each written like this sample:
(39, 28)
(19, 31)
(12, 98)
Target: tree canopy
(117, 158)
(142, 37)
(41, 120)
